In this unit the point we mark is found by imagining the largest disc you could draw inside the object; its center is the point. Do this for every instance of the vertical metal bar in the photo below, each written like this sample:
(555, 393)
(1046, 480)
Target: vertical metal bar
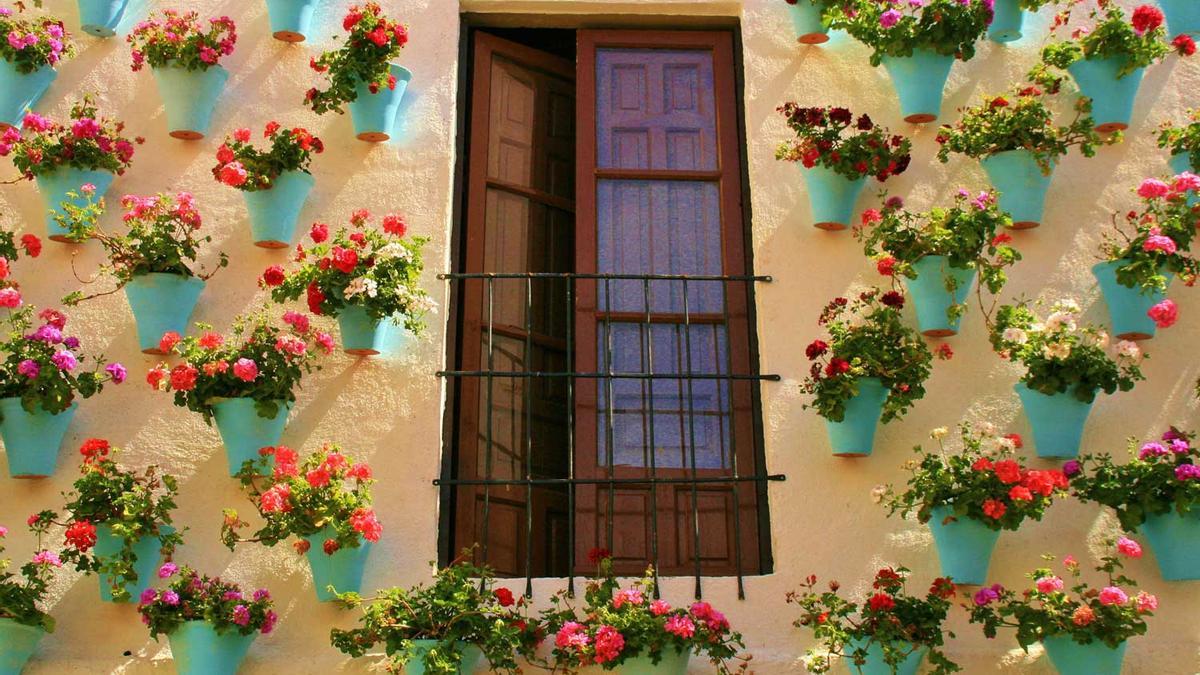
(571, 437)
(487, 473)
(728, 385)
(608, 414)
(648, 360)
(528, 387)
(687, 341)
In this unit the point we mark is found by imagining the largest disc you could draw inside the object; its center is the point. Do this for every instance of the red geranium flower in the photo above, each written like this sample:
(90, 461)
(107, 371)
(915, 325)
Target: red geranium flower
(81, 534)
(881, 602)
(504, 597)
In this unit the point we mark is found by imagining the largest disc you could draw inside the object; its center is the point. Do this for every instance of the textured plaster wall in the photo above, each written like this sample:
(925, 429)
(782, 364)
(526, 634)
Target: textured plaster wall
(389, 410)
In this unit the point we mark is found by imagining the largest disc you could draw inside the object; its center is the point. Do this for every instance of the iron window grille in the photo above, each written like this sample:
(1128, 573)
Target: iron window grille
(605, 377)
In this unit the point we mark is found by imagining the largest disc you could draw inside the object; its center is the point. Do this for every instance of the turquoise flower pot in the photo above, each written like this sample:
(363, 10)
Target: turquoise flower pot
(162, 303)
(920, 81)
(244, 432)
(200, 650)
(19, 92)
(1127, 307)
(1071, 658)
(375, 114)
(1112, 97)
(672, 663)
(291, 20)
(1181, 162)
(343, 570)
(1057, 422)
(18, 642)
(54, 188)
(964, 546)
(1022, 186)
(1175, 540)
(832, 196)
(1008, 20)
(190, 98)
(100, 17)
(806, 19)
(931, 298)
(32, 440)
(274, 212)
(1183, 16)
(471, 658)
(854, 436)
(875, 665)
(147, 556)
(362, 335)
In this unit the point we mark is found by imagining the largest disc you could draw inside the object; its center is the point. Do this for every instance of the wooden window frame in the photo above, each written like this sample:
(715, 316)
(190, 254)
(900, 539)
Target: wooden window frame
(732, 179)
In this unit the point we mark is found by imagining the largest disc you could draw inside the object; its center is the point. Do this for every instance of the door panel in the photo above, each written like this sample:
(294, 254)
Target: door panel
(659, 193)
(520, 218)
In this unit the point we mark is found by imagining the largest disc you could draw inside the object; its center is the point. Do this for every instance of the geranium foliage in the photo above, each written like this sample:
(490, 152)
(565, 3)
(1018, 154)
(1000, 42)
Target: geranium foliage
(898, 622)
(867, 338)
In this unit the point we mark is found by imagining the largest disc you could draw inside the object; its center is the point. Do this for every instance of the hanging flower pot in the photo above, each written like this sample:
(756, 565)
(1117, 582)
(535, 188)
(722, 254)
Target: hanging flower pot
(19, 92)
(1018, 178)
(1007, 22)
(31, 440)
(1183, 16)
(671, 663)
(1057, 421)
(964, 546)
(1112, 96)
(875, 663)
(920, 81)
(162, 303)
(931, 298)
(274, 212)
(471, 657)
(806, 19)
(244, 431)
(146, 550)
(18, 642)
(101, 17)
(362, 334)
(291, 20)
(343, 570)
(190, 98)
(1071, 658)
(375, 114)
(1127, 307)
(854, 436)
(199, 650)
(1175, 539)
(832, 196)
(55, 186)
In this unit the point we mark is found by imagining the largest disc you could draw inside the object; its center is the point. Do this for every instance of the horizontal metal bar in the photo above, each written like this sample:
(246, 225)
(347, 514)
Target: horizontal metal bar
(775, 478)
(616, 277)
(605, 376)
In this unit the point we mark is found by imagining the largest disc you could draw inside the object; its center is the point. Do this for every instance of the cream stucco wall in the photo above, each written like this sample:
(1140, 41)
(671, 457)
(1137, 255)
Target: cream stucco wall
(389, 410)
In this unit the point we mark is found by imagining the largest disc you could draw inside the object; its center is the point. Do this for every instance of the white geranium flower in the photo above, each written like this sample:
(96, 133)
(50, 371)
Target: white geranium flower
(1015, 335)
(939, 433)
(1058, 350)
(392, 250)
(362, 286)
(1060, 320)
(1128, 349)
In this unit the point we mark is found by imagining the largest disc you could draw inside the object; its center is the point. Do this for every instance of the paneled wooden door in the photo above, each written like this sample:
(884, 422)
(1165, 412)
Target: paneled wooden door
(520, 218)
(660, 194)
